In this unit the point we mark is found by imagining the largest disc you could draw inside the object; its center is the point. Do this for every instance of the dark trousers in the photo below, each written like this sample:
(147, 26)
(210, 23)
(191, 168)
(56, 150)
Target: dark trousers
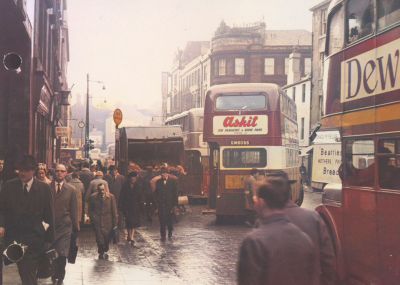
(59, 267)
(1, 267)
(166, 220)
(27, 268)
(104, 245)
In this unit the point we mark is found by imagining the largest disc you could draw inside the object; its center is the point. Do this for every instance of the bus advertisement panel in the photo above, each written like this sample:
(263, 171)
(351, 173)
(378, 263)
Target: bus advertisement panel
(327, 158)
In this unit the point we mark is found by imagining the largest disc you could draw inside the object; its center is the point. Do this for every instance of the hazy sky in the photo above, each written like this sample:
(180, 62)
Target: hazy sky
(128, 43)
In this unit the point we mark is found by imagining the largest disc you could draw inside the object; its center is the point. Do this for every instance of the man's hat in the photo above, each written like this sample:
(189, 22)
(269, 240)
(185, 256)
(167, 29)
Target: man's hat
(26, 162)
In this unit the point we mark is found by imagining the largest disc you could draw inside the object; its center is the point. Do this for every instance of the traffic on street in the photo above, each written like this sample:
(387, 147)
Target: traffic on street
(200, 142)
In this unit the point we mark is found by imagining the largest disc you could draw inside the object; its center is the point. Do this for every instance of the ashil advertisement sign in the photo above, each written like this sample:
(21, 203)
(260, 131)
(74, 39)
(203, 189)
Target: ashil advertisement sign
(240, 125)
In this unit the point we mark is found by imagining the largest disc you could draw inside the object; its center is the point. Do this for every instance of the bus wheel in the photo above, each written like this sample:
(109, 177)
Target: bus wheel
(301, 196)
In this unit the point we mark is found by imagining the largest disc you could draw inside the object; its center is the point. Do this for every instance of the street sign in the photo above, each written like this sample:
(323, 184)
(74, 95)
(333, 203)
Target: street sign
(117, 117)
(62, 131)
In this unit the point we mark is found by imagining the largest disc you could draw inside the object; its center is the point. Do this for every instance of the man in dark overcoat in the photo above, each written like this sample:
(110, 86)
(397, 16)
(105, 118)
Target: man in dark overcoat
(66, 220)
(278, 252)
(104, 217)
(85, 175)
(115, 182)
(166, 196)
(27, 217)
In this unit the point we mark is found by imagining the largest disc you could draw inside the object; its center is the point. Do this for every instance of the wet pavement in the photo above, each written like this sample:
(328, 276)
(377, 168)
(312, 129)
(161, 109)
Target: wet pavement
(200, 252)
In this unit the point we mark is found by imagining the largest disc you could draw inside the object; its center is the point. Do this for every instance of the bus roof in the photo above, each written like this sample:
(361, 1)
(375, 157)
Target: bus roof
(333, 4)
(194, 111)
(152, 132)
(244, 87)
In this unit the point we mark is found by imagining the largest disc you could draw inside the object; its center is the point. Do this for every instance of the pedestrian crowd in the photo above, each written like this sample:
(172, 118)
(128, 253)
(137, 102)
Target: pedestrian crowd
(42, 211)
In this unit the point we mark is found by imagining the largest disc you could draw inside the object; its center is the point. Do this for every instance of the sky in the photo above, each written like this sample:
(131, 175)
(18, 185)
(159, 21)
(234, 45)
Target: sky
(128, 43)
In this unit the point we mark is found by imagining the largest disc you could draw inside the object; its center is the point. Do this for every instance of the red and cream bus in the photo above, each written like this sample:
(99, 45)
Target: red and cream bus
(362, 102)
(248, 125)
(195, 182)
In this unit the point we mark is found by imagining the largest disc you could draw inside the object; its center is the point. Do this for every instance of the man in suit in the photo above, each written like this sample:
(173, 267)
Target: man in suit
(66, 220)
(166, 196)
(27, 217)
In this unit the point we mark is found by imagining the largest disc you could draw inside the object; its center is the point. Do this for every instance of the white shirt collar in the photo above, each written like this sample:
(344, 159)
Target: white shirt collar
(61, 183)
(28, 184)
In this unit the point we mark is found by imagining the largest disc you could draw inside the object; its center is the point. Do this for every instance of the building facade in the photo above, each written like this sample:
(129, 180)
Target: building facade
(49, 79)
(15, 95)
(34, 97)
(319, 26)
(236, 55)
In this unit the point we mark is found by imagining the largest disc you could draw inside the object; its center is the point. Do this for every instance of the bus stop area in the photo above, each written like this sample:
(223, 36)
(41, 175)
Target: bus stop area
(200, 252)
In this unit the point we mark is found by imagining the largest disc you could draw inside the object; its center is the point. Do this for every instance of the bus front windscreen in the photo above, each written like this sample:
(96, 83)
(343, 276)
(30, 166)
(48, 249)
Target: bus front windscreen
(244, 158)
(241, 101)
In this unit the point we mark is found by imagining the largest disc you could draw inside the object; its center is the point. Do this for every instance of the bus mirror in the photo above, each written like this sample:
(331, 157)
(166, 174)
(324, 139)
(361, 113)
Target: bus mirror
(314, 131)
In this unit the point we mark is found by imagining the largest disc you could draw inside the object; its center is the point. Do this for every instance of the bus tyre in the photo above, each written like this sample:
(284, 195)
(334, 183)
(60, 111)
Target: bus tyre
(301, 196)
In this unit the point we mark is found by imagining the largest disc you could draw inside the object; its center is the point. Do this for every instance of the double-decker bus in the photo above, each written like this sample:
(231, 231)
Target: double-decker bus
(248, 125)
(195, 182)
(362, 102)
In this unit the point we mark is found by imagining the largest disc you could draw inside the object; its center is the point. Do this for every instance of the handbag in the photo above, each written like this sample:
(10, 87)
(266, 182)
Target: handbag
(45, 265)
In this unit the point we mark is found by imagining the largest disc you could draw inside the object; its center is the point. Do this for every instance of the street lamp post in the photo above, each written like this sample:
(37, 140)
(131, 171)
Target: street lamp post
(87, 113)
(87, 117)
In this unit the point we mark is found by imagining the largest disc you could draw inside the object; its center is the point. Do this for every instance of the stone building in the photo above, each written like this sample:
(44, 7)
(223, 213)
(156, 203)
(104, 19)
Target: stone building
(49, 83)
(15, 97)
(254, 54)
(235, 55)
(319, 26)
(33, 98)
(185, 85)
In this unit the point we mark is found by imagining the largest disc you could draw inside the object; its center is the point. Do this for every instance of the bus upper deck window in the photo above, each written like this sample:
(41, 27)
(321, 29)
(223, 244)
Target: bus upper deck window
(243, 101)
(388, 13)
(360, 19)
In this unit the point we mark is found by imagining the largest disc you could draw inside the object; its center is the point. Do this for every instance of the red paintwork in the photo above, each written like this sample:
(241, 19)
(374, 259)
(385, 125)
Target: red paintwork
(365, 227)
(232, 201)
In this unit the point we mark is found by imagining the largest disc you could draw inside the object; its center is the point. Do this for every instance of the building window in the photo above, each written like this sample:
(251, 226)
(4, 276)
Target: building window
(269, 66)
(303, 93)
(239, 66)
(323, 22)
(307, 65)
(294, 94)
(321, 62)
(302, 129)
(286, 65)
(221, 67)
(321, 106)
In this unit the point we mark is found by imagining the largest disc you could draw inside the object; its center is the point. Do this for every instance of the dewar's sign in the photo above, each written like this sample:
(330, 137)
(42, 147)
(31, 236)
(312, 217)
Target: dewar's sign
(371, 73)
(240, 125)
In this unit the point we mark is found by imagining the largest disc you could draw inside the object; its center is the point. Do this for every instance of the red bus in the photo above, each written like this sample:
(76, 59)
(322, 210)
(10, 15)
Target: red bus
(362, 102)
(195, 182)
(248, 125)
